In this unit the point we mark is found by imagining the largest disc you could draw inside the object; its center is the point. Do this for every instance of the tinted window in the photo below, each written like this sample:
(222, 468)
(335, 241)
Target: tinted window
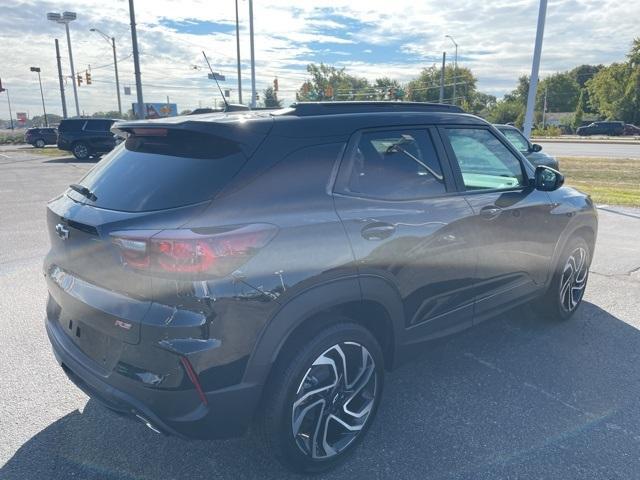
(154, 173)
(98, 125)
(71, 125)
(484, 161)
(395, 165)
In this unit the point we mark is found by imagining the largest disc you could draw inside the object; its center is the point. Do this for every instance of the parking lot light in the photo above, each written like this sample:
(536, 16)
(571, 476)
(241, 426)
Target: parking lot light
(65, 18)
(44, 110)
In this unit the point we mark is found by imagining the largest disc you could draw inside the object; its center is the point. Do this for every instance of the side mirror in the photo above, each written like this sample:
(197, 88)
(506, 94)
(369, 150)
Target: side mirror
(536, 148)
(547, 179)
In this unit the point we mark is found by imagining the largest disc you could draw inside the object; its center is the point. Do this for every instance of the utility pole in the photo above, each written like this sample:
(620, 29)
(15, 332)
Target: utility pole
(44, 110)
(238, 55)
(455, 69)
(444, 59)
(544, 109)
(64, 101)
(253, 57)
(112, 42)
(136, 61)
(535, 68)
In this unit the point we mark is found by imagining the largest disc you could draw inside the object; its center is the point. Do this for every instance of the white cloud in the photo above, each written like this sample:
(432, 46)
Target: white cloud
(367, 37)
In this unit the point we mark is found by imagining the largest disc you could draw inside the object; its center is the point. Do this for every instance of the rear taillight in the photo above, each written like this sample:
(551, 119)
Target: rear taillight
(189, 253)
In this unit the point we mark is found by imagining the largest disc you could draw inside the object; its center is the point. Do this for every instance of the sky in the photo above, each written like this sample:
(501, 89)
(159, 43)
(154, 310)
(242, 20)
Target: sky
(370, 38)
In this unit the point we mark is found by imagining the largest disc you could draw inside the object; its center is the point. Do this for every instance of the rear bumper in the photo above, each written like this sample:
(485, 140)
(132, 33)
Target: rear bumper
(228, 412)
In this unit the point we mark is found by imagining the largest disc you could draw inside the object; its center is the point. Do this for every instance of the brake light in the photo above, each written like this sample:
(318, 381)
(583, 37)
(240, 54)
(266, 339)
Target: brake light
(186, 253)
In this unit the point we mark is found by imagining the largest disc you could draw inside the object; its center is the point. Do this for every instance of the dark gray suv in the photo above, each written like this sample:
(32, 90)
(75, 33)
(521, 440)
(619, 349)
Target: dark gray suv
(220, 270)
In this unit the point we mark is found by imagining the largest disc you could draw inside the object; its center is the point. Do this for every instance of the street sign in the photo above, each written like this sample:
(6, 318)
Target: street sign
(22, 118)
(216, 76)
(127, 90)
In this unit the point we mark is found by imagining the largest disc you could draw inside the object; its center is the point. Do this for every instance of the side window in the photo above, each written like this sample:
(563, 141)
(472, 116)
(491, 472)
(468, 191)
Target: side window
(395, 165)
(485, 163)
(98, 126)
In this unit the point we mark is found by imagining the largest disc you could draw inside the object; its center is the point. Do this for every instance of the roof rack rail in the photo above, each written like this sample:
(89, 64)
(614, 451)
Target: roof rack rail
(332, 108)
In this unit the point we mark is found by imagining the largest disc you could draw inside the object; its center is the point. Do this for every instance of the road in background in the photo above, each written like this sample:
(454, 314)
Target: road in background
(591, 149)
(519, 396)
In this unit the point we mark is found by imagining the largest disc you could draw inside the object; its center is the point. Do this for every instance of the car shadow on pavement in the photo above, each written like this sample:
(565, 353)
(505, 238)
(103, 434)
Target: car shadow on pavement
(518, 396)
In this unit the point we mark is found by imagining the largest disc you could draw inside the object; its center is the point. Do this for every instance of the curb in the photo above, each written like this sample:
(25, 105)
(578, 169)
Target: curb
(585, 141)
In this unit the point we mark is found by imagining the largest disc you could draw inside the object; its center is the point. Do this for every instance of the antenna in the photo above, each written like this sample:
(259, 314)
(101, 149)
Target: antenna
(226, 104)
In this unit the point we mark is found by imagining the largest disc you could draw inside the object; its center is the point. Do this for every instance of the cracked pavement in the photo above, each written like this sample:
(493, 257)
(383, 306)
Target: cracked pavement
(519, 396)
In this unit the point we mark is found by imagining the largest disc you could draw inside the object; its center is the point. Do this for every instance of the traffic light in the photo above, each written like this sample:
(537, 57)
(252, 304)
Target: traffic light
(79, 79)
(87, 76)
(275, 84)
(1, 89)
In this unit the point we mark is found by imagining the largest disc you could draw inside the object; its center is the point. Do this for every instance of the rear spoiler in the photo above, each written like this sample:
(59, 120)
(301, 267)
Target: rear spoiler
(247, 131)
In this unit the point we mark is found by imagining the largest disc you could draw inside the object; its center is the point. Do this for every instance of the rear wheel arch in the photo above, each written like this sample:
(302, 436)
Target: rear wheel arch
(321, 307)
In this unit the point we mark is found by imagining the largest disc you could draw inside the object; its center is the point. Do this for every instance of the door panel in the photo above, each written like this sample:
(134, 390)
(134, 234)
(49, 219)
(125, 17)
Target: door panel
(513, 236)
(515, 241)
(422, 246)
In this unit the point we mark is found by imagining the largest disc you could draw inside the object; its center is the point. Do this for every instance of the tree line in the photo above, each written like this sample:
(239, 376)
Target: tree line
(606, 92)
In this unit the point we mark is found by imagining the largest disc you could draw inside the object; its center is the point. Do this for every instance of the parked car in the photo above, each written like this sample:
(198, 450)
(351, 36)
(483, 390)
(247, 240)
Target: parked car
(601, 128)
(630, 129)
(40, 137)
(532, 151)
(271, 266)
(86, 137)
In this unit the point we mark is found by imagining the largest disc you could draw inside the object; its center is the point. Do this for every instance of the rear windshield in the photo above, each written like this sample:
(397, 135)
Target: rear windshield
(156, 173)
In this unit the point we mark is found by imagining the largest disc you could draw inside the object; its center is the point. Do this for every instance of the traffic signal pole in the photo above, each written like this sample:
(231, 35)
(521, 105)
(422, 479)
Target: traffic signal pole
(64, 101)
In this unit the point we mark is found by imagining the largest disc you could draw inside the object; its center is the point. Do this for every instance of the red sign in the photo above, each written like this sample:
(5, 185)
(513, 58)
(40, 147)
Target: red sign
(22, 118)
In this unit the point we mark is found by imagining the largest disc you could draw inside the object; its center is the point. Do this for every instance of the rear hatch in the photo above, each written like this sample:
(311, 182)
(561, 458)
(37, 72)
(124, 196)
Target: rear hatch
(156, 180)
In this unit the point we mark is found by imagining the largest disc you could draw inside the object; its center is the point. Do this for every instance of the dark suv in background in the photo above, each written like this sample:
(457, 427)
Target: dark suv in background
(86, 137)
(40, 137)
(601, 128)
(221, 269)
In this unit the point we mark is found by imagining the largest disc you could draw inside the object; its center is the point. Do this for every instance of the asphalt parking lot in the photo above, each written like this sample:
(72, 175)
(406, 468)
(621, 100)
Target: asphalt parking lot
(516, 397)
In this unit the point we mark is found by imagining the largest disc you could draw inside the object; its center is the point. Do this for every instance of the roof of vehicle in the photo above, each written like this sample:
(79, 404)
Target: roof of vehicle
(91, 119)
(311, 119)
(505, 126)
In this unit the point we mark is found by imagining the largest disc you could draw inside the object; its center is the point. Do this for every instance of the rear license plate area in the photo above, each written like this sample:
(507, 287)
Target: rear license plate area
(101, 348)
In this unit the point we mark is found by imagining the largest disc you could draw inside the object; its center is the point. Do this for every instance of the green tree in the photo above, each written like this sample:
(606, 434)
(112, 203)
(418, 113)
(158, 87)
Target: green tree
(562, 93)
(615, 90)
(270, 98)
(426, 88)
(331, 83)
(577, 118)
(505, 111)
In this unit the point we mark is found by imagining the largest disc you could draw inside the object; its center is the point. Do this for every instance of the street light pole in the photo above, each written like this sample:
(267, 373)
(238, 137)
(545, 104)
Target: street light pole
(9, 102)
(44, 110)
(455, 68)
(64, 101)
(65, 18)
(535, 69)
(136, 61)
(238, 51)
(253, 57)
(112, 42)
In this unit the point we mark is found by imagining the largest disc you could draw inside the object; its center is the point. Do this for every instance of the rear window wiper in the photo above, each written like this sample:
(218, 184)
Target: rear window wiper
(84, 191)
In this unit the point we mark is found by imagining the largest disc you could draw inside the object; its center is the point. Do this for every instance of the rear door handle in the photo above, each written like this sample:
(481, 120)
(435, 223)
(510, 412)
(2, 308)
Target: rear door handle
(490, 211)
(377, 231)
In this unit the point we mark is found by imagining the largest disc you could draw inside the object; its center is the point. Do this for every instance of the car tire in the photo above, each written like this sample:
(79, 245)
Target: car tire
(81, 151)
(569, 282)
(328, 389)
(39, 143)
